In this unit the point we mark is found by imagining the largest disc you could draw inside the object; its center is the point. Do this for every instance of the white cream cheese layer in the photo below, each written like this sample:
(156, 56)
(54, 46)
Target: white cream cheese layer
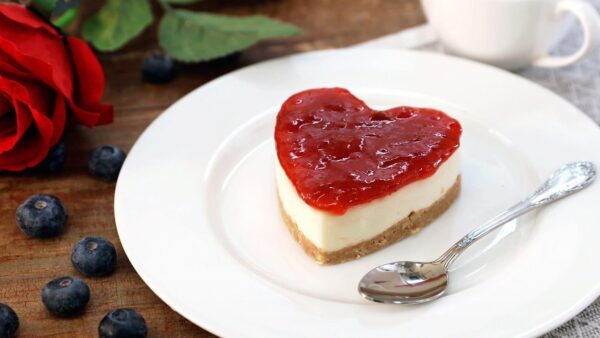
(331, 232)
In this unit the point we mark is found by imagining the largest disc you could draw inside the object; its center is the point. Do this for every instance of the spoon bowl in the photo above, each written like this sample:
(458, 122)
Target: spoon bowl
(414, 282)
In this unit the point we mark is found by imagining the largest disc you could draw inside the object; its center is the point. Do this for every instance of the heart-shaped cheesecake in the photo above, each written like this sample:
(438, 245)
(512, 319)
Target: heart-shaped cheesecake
(351, 179)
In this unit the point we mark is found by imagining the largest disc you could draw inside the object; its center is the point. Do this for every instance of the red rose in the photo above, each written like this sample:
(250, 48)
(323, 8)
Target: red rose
(43, 77)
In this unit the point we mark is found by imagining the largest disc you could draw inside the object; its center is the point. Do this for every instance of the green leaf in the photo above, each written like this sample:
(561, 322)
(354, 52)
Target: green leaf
(44, 7)
(63, 5)
(116, 23)
(180, 2)
(191, 37)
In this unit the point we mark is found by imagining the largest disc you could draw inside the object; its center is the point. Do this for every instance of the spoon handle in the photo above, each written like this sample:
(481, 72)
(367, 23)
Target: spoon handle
(567, 180)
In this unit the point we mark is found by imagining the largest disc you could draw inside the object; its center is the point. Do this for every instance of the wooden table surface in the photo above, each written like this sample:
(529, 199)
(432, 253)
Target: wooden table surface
(27, 264)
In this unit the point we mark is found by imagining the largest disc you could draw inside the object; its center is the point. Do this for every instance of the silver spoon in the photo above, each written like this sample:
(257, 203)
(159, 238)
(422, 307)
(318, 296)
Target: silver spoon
(417, 282)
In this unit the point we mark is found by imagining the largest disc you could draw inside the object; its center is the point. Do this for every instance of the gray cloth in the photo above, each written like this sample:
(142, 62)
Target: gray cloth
(584, 325)
(578, 83)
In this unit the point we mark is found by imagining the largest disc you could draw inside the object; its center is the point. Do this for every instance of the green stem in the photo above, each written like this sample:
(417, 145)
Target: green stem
(165, 6)
(66, 18)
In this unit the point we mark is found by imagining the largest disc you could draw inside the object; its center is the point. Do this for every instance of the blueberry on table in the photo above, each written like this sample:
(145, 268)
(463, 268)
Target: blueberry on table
(106, 162)
(123, 323)
(66, 296)
(94, 256)
(42, 216)
(158, 68)
(55, 160)
(9, 322)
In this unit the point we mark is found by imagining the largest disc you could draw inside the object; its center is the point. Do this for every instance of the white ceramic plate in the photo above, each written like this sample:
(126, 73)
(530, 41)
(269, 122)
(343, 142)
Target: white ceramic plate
(196, 208)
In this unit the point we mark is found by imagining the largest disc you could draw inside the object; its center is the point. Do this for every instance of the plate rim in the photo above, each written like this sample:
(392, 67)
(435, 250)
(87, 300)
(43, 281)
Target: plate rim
(225, 330)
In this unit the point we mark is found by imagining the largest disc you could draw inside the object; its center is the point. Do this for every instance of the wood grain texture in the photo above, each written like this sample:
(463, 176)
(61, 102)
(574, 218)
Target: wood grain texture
(27, 264)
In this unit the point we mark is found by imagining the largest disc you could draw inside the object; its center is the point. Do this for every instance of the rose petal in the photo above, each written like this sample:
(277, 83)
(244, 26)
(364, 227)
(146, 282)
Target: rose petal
(42, 54)
(29, 91)
(5, 105)
(31, 149)
(43, 124)
(13, 126)
(20, 14)
(31, 49)
(39, 76)
(90, 84)
(9, 66)
(31, 101)
(8, 129)
(59, 119)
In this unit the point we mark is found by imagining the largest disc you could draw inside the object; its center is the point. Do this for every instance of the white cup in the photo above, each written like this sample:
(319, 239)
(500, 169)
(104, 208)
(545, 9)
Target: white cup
(510, 33)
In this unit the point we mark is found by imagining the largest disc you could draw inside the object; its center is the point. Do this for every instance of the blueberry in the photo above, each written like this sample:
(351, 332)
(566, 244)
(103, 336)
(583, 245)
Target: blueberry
(123, 323)
(158, 68)
(55, 160)
(42, 216)
(94, 256)
(66, 296)
(106, 162)
(9, 322)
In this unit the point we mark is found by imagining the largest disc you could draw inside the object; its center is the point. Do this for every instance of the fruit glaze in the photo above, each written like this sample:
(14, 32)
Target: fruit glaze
(339, 153)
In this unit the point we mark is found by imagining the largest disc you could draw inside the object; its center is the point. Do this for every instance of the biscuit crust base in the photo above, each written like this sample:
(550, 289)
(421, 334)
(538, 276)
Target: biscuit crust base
(409, 225)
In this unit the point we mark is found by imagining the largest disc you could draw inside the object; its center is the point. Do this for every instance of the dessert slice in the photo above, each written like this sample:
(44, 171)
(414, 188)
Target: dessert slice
(352, 180)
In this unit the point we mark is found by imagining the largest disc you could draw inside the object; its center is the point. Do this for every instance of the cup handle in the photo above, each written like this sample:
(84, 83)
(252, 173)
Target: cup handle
(590, 22)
